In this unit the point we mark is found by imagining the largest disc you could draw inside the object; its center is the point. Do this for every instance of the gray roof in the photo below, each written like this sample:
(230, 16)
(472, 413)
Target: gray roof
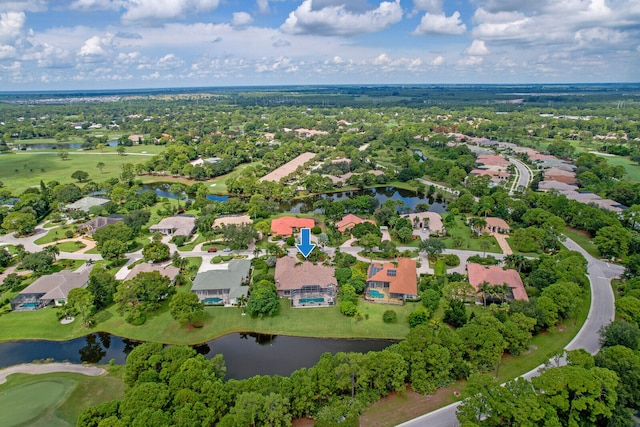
(169, 271)
(57, 285)
(180, 225)
(86, 203)
(231, 278)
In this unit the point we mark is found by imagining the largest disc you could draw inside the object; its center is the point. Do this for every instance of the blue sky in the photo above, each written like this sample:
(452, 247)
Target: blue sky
(104, 44)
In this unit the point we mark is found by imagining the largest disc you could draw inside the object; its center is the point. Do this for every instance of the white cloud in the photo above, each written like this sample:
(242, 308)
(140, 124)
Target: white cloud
(51, 56)
(156, 11)
(281, 43)
(169, 62)
(97, 4)
(11, 24)
(437, 61)
(477, 48)
(431, 6)
(23, 5)
(441, 24)
(241, 19)
(471, 61)
(7, 52)
(263, 6)
(96, 48)
(338, 21)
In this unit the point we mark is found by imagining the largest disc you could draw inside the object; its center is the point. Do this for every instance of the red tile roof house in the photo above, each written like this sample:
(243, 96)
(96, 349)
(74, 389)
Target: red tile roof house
(391, 284)
(497, 225)
(287, 225)
(349, 221)
(304, 283)
(495, 275)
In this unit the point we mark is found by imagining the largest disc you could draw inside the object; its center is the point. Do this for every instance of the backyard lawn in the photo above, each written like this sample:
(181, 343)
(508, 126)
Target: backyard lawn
(218, 321)
(469, 242)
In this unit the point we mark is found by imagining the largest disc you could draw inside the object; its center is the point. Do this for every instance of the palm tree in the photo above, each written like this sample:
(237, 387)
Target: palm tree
(484, 245)
(484, 288)
(52, 250)
(515, 261)
(242, 303)
(256, 252)
(477, 224)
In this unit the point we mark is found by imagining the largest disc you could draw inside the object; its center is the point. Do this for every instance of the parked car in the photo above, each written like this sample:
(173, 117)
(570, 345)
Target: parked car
(227, 250)
(212, 249)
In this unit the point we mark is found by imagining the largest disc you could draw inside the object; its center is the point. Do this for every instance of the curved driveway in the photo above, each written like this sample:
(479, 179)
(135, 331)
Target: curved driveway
(601, 313)
(523, 177)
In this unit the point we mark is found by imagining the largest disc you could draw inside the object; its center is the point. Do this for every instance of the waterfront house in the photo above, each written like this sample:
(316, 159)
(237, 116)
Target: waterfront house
(180, 225)
(304, 283)
(390, 283)
(223, 286)
(288, 225)
(52, 289)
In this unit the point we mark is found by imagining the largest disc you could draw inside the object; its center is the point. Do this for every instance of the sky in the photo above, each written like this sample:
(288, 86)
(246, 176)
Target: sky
(120, 44)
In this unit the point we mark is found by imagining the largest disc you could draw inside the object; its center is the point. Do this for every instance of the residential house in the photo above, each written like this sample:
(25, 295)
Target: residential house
(288, 225)
(87, 203)
(98, 223)
(232, 220)
(180, 225)
(349, 221)
(495, 276)
(224, 286)
(168, 271)
(392, 284)
(430, 220)
(497, 225)
(304, 283)
(52, 289)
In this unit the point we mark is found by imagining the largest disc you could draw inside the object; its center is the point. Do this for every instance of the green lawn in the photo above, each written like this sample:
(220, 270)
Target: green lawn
(73, 246)
(218, 321)
(53, 235)
(583, 240)
(24, 169)
(469, 241)
(53, 399)
(632, 169)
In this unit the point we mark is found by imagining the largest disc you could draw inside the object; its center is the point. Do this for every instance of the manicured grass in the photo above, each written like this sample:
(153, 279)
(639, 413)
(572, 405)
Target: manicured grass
(191, 245)
(469, 241)
(55, 399)
(53, 235)
(24, 169)
(73, 246)
(631, 168)
(218, 321)
(582, 239)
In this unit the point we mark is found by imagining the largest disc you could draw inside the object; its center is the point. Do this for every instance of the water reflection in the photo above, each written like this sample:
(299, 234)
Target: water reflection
(245, 355)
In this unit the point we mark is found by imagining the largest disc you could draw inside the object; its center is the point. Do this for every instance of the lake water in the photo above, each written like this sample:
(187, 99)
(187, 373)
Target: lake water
(245, 355)
(57, 145)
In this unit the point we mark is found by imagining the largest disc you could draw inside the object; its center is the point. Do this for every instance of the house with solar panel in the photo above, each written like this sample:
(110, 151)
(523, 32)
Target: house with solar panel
(392, 283)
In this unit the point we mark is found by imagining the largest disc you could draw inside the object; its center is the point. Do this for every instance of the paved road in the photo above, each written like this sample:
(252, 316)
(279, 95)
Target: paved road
(601, 312)
(524, 175)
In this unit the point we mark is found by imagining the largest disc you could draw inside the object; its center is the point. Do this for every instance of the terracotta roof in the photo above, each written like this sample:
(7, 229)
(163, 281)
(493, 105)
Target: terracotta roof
(435, 220)
(285, 225)
(495, 275)
(497, 222)
(490, 159)
(349, 220)
(169, 271)
(288, 168)
(402, 279)
(291, 276)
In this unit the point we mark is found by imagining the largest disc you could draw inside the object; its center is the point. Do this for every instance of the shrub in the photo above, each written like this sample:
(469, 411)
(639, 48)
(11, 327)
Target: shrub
(68, 234)
(418, 317)
(179, 240)
(216, 259)
(451, 260)
(291, 241)
(488, 260)
(348, 308)
(389, 316)
(316, 230)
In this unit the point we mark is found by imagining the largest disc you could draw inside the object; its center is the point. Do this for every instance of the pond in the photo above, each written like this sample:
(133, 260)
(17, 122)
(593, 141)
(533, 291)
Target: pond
(57, 145)
(410, 199)
(245, 355)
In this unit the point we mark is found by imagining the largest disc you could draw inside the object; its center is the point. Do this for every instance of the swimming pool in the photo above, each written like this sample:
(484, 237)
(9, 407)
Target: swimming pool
(212, 300)
(310, 300)
(373, 293)
(29, 305)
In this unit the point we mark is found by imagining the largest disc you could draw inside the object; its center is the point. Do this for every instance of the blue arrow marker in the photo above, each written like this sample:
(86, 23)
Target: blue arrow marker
(305, 246)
